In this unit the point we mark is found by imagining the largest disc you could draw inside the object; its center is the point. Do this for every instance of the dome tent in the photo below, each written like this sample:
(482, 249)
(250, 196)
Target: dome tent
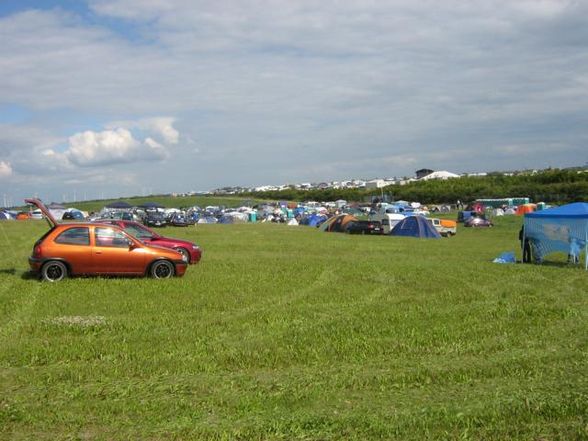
(337, 224)
(415, 226)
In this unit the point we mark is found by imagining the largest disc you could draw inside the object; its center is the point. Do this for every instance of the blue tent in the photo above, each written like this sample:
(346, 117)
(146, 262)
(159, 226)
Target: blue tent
(5, 216)
(563, 229)
(314, 220)
(577, 210)
(415, 226)
(299, 211)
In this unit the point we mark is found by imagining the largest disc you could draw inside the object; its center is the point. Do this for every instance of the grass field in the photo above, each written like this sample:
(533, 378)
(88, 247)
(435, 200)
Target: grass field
(288, 333)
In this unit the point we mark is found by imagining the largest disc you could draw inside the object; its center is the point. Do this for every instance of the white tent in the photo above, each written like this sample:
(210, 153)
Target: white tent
(443, 174)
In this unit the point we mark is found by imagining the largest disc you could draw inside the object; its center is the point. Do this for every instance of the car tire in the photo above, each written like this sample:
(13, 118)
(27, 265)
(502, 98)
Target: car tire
(184, 252)
(162, 269)
(54, 271)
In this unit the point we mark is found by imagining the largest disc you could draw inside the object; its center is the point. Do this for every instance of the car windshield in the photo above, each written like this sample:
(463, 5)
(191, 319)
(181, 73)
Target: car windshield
(140, 232)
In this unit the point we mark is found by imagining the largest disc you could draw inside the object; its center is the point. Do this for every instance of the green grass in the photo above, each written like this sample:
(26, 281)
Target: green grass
(288, 333)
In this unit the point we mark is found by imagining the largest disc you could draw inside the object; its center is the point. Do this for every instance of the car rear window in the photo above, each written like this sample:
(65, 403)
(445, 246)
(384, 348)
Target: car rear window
(74, 236)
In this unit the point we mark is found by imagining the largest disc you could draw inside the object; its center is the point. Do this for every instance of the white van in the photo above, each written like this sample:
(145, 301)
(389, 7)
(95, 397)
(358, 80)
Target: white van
(387, 215)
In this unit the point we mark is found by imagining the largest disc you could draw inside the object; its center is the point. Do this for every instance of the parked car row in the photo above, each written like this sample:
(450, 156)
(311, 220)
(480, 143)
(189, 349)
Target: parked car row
(107, 247)
(151, 218)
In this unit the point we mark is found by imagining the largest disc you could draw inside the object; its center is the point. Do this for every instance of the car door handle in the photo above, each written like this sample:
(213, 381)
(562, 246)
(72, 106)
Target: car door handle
(98, 252)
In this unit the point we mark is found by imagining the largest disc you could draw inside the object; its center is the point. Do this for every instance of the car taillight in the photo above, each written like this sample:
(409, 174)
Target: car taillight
(37, 251)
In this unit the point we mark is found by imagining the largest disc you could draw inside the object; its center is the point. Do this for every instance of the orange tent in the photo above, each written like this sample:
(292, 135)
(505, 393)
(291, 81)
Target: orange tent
(337, 223)
(526, 208)
(23, 216)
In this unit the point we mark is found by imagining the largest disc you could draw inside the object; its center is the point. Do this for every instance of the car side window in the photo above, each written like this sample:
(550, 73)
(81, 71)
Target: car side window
(140, 233)
(109, 237)
(74, 236)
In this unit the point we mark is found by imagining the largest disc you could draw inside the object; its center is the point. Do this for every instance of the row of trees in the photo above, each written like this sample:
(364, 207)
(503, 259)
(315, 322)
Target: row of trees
(552, 186)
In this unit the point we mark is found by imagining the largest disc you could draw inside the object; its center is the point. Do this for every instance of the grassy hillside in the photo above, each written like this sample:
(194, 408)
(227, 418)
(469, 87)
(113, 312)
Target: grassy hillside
(288, 333)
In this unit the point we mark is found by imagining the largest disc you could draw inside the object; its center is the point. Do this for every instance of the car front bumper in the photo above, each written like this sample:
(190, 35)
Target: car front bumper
(181, 267)
(195, 255)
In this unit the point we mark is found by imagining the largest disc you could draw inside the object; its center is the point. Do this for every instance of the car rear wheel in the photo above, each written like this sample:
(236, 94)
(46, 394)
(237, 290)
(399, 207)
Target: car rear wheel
(184, 252)
(54, 271)
(162, 269)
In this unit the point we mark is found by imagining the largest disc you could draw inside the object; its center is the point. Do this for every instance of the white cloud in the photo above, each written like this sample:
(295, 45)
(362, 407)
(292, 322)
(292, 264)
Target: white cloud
(165, 128)
(5, 169)
(116, 146)
(159, 127)
(95, 148)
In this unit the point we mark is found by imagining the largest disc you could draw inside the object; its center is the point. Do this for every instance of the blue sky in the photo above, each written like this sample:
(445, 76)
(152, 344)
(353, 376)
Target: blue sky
(125, 97)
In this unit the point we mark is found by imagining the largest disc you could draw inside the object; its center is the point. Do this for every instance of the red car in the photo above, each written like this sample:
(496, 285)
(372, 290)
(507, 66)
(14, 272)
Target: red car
(192, 251)
(96, 249)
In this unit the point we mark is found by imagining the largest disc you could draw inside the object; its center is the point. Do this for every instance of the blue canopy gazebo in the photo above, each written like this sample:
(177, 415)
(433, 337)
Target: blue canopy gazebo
(119, 205)
(561, 229)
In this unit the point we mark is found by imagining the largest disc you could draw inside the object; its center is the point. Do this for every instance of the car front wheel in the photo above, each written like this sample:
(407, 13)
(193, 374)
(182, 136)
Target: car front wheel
(162, 269)
(54, 271)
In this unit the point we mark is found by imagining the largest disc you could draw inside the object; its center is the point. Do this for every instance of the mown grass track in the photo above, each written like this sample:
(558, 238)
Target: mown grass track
(288, 333)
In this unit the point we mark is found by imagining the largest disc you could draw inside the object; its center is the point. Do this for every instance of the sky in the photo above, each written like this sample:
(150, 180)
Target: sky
(109, 98)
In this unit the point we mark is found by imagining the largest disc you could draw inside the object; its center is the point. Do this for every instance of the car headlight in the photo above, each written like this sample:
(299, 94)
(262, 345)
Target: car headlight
(184, 258)
(195, 247)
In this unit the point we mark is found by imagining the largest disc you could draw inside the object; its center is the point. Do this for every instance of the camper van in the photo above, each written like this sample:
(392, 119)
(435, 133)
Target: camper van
(445, 227)
(388, 215)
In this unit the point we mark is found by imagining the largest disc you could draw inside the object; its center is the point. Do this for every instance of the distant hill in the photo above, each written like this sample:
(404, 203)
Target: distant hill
(553, 185)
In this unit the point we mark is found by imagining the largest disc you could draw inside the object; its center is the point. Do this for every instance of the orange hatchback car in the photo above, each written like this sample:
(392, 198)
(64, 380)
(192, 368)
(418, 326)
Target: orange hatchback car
(96, 249)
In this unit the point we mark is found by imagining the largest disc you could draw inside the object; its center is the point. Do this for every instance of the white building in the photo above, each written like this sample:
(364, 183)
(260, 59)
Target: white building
(375, 183)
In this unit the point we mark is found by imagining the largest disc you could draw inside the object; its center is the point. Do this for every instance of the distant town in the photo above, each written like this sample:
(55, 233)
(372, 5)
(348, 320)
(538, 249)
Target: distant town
(423, 174)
